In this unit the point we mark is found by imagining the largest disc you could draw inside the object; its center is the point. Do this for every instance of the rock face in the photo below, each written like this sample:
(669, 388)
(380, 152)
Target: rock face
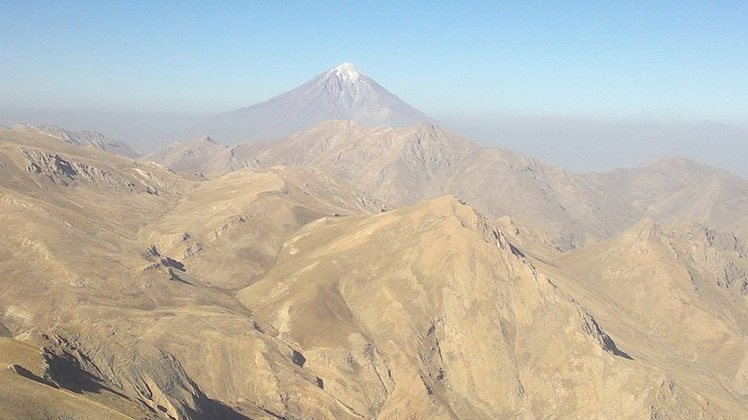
(285, 292)
(341, 93)
(80, 138)
(67, 172)
(28, 391)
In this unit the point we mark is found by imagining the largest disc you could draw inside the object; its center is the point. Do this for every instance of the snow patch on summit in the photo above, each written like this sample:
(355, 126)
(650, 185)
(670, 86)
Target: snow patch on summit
(347, 71)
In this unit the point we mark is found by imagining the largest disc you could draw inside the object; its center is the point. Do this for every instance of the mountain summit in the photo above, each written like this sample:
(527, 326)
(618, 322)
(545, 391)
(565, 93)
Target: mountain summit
(346, 71)
(341, 93)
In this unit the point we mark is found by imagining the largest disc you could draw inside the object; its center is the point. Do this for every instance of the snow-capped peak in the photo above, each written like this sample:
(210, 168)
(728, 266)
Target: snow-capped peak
(347, 71)
(339, 93)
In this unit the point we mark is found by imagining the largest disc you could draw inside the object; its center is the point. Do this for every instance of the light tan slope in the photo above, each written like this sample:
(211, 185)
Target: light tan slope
(527, 239)
(682, 191)
(559, 204)
(428, 312)
(68, 218)
(66, 164)
(69, 247)
(80, 274)
(675, 296)
(228, 230)
(401, 166)
(425, 311)
(201, 155)
(64, 207)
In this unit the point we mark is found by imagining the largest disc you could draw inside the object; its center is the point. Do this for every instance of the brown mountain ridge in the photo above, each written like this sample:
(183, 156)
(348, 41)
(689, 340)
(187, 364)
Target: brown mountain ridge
(284, 291)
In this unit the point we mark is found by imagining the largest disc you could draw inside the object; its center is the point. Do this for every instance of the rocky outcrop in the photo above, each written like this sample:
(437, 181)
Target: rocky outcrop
(713, 258)
(591, 327)
(128, 366)
(4, 331)
(66, 171)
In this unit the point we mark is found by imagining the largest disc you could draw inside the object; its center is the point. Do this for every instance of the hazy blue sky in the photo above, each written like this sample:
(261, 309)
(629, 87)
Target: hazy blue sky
(609, 59)
(584, 85)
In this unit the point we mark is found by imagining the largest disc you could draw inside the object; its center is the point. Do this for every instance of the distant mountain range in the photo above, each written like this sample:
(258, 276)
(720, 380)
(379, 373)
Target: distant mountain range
(402, 166)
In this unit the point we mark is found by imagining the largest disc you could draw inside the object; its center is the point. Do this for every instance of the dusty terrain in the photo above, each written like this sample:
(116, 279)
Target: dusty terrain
(130, 290)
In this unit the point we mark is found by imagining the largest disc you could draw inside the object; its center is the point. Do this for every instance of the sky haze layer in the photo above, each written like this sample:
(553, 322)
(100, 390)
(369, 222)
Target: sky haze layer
(481, 67)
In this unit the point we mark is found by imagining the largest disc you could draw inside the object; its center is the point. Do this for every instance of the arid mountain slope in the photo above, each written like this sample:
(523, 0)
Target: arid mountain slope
(437, 315)
(678, 190)
(402, 166)
(29, 373)
(200, 155)
(676, 296)
(68, 244)
(285, 292)
(85, 257)
(80, 138)
(229, 229)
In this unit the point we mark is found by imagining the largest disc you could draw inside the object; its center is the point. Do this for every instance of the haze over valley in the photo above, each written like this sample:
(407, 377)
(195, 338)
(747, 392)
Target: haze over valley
(334, 251)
